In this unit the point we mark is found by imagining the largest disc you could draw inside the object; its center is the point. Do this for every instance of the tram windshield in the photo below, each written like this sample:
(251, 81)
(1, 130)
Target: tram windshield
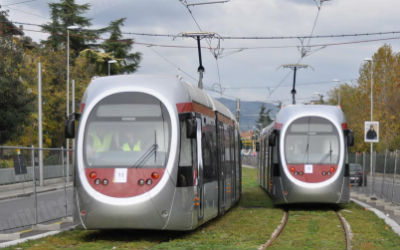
(127, 130)
(312, 140)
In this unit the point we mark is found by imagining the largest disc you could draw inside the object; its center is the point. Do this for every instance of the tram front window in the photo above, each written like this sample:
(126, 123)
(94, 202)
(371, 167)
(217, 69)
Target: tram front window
(312, 140)
(130, 130)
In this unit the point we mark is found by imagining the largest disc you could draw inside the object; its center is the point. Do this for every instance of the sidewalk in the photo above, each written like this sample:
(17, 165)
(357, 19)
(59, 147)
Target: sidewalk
(387, 211)
(27, 188)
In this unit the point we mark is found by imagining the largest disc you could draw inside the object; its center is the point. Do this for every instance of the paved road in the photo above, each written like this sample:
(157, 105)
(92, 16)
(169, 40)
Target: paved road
(20, 212)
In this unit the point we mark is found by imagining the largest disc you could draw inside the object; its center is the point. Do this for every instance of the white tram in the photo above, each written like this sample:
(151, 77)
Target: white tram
(303, 155)
(153, 152)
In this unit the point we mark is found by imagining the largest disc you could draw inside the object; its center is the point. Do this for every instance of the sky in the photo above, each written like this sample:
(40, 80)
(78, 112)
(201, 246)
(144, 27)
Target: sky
(249, 69)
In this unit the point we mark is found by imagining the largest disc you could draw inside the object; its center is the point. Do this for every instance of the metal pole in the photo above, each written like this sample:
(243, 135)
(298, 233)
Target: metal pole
(372, 111)
(384, 174)
(108, 68)
(40, 128)
(373, 174)
(65, 166)
(394, 175)
(294, 86)
(73, 140)
(201, 68)
(67, 108)
(238, 110)
(364, 177)
(34, 184)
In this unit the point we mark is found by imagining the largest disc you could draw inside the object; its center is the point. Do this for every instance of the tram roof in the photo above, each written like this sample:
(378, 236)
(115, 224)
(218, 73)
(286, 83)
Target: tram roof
(333, 112)
(175, 88)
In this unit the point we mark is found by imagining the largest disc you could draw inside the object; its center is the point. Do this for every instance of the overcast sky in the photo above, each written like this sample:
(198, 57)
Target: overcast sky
(254, 73)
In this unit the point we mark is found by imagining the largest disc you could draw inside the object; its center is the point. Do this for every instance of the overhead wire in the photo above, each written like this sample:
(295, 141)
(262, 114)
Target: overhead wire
(215, 52)
(28, 13)
(171, 63)
(234, 49)
(11, 4)
(222, 37)
(303, 51)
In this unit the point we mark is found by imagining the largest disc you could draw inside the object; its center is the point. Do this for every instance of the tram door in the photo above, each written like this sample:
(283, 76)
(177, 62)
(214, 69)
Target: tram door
(200, 181)
(221, 168)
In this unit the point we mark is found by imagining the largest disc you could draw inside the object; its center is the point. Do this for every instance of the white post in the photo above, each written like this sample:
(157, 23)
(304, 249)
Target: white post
(372, 112)
(40, 128)
(73, 140)
(67, 100)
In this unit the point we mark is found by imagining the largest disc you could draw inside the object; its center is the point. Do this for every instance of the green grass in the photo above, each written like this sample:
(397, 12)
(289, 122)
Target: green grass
(311, 228)
(369, 231)
(246, 226)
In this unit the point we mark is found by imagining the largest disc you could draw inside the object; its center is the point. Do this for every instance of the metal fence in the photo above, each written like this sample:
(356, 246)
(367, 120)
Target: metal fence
(382, 177)
(34, 189)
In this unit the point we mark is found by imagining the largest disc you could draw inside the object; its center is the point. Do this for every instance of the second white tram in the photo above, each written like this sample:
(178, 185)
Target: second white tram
(303, 155)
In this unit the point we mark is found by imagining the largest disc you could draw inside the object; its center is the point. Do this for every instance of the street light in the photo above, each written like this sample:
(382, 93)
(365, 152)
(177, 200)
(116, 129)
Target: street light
(372, 108)
(72, 27)
(109, 62)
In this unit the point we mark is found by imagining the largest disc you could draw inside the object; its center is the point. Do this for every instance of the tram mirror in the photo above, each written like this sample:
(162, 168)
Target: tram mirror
(350, 138)
(272, 139)
(191, 128)
(70, 127)
(257, 147)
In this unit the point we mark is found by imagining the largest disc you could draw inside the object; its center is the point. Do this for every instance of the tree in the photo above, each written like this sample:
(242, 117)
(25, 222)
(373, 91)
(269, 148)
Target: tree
(263, 120)
(64, 14)
(15, 100)
(355, 100)
(119, 49)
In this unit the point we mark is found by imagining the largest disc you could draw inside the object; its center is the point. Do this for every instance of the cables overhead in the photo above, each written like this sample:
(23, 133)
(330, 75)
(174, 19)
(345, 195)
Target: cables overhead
(11, 4)
(222, 37)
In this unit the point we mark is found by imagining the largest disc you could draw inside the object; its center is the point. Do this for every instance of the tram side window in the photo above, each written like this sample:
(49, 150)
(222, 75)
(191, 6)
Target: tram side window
(210, 172)
(185, 169)
(275, 158)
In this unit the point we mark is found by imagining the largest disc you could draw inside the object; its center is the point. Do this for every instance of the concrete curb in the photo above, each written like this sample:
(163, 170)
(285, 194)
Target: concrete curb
(35, 237)
(389, 221)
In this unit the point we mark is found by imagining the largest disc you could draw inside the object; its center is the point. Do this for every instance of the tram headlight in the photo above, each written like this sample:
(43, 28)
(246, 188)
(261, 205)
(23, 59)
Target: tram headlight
(105, 182)
(149, 182)
(141, 182)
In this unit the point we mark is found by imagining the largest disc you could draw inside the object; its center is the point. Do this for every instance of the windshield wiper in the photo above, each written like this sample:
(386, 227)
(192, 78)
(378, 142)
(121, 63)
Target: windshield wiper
(143, 159)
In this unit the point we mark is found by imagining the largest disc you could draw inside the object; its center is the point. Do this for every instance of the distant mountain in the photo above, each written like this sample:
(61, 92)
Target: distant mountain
(248, 111)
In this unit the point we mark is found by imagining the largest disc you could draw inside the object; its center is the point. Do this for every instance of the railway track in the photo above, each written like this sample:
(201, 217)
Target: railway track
(344, 225)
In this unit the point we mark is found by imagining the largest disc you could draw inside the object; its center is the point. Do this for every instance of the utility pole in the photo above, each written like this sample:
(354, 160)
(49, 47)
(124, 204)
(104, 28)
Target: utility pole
(238, 110)
(294, 67)
(40, 128)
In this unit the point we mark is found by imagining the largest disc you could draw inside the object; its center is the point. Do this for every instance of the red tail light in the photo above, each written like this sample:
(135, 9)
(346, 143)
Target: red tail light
(92, 175)
(332, 170)
(82, 107)
(292, 170)
(155, 175)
